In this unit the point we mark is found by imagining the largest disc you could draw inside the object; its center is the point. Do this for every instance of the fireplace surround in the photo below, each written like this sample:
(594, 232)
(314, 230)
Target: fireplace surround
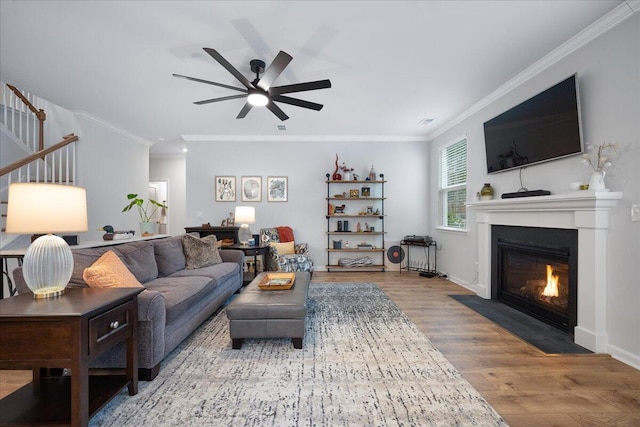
(585, 211)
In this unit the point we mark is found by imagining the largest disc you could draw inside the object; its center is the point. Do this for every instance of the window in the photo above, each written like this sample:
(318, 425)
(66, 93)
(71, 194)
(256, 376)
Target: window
(453, 185)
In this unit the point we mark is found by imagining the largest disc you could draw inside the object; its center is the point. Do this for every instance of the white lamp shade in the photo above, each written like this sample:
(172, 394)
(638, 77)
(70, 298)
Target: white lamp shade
(36, 208)
(245, 214)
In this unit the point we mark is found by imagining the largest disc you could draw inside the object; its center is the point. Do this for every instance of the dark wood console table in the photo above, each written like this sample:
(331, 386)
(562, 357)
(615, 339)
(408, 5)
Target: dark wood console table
(66, 332)
(220, 232)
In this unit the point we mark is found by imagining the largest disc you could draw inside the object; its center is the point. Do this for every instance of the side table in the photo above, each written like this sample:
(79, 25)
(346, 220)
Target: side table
(427, 270)
(66, 332)
(248, 251)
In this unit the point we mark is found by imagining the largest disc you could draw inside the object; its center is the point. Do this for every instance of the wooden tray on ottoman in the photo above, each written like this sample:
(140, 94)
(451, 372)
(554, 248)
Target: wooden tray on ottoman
(277, 281)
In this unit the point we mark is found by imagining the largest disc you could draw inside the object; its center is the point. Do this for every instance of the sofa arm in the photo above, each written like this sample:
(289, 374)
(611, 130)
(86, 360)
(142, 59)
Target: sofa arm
(152, 315)
(232, 255)
(19, 283)
(302, 249)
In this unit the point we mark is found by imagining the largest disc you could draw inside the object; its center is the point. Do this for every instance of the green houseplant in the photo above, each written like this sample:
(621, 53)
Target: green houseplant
(146, 210)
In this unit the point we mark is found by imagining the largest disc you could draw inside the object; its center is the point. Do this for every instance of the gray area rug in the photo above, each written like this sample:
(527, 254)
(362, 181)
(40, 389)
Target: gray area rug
(363, 363)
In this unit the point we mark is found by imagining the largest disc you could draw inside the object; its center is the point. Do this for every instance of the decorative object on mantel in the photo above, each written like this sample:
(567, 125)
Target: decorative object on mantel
(146, 211)
(603, 153)
(486, 193)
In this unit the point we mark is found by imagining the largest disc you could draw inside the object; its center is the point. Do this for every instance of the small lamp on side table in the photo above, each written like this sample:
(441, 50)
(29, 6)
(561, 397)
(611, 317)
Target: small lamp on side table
(245, 215)
(37, 208)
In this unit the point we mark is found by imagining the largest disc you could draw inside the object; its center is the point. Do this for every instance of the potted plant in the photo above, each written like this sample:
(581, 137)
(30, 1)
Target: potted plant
(146, 210)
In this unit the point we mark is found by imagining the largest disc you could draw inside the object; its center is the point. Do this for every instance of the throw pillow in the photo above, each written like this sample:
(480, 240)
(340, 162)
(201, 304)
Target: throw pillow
(284, 248)
(169, 255)
(201, 253)
(110, 272)
(286, 234)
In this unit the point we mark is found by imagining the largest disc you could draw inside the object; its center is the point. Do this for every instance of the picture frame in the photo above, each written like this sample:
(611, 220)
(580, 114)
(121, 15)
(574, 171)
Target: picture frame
(354, 194)
(251, 188)
(225, 188)
(277, 189)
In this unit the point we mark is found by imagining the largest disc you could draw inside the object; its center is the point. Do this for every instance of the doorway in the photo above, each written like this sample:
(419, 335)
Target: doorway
(158, 191)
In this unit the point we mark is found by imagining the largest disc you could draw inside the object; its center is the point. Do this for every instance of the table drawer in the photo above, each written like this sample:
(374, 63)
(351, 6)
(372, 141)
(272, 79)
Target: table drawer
(109, 327)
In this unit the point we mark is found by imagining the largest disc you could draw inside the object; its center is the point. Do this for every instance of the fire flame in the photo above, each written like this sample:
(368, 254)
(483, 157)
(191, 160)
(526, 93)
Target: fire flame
(551, 290)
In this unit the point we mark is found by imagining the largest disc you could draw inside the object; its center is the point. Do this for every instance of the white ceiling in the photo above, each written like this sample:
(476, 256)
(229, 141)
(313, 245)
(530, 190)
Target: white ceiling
(391, 63)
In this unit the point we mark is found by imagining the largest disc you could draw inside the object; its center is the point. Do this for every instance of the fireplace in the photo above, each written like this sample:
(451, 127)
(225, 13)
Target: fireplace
(586, 212)
(535, 271)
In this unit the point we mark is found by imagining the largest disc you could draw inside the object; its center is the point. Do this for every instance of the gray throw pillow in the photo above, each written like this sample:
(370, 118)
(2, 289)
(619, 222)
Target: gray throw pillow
(201, 253)
(169, 255)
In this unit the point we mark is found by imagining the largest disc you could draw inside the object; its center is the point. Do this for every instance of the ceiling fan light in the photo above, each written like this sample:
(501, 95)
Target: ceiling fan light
(257, 99)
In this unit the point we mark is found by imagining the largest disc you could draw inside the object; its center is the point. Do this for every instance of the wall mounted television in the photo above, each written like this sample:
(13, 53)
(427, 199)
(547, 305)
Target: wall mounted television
(542, 128)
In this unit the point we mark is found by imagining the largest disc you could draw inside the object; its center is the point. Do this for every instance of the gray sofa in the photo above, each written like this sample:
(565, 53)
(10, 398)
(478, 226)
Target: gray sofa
(175, 300)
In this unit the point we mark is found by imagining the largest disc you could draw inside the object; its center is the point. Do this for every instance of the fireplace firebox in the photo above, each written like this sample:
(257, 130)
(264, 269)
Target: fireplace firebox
(535, 271)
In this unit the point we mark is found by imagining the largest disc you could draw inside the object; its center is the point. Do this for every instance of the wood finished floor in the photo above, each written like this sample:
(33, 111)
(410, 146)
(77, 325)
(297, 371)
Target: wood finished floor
(527, 387)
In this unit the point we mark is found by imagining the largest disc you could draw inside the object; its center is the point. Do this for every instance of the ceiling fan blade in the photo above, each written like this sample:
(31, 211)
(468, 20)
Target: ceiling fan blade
(224, 98)
(300, 87)
(278, 65)
(277, 111)
(297, 102)
(209, 83)
(243, 113)
(230, 68)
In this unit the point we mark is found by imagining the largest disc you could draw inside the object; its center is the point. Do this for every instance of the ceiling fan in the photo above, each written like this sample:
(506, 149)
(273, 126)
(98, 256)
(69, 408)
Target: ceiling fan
(260, 91)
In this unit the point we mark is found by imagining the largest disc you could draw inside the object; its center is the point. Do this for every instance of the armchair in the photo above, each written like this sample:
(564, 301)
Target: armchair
(284, 253)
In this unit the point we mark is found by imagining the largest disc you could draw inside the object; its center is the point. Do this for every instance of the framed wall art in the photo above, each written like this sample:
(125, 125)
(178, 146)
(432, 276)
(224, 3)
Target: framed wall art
(277, 189)
(251, 188)
(225, 188)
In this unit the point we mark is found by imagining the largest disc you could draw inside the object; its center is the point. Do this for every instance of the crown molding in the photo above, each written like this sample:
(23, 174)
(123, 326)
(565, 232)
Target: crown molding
(593, 31)
(302, 138)
(110, 126)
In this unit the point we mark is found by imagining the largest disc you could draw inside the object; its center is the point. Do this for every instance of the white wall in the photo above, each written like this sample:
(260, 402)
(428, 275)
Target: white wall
(111, 164)
(608, 71)
(305, 164)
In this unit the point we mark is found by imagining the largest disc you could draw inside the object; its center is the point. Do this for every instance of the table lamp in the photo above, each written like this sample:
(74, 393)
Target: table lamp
(245, 215)
(38, 208)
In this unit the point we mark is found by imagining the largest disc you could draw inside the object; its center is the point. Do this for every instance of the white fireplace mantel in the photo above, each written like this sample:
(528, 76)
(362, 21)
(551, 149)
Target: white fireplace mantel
(586, 211)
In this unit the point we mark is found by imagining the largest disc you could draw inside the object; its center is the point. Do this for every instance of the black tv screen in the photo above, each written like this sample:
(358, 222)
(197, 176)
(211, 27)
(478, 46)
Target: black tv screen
(545, 127)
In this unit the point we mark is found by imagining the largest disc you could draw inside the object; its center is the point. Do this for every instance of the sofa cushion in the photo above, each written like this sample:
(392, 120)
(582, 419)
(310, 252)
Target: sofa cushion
(218, 272)
(181, 293)
(169, 255)
(139, 257)
(200, 252)
(110, 272)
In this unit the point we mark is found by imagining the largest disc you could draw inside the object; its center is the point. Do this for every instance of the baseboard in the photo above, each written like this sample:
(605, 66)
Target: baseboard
(624, 356)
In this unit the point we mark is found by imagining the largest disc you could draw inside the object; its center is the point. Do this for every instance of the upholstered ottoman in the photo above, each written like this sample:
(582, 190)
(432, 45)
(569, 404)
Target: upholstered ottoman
(256, 313)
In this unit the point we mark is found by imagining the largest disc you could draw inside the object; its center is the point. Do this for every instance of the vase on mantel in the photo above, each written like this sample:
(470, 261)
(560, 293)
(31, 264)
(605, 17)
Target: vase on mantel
(597, 181)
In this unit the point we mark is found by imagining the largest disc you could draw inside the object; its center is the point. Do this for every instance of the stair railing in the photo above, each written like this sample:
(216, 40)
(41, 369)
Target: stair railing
(57, 164)
(15, 116)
